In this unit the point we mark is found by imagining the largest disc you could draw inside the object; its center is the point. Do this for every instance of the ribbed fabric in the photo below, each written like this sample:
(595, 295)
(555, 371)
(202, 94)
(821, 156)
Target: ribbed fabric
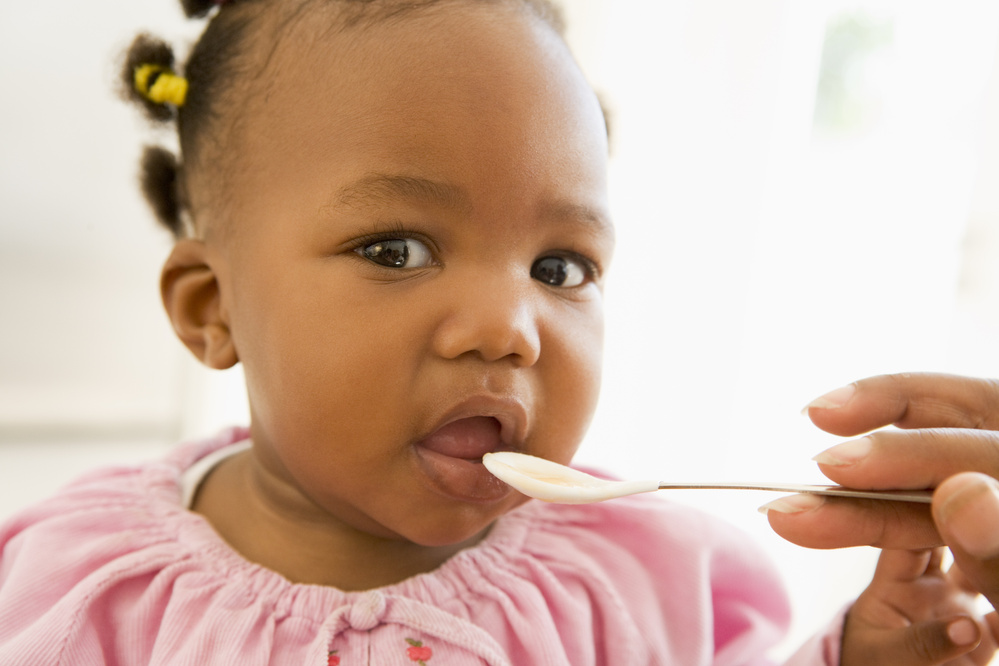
(113, 570)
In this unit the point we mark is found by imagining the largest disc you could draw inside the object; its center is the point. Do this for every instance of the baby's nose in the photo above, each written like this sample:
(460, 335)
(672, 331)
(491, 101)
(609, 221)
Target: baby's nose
(495, 317)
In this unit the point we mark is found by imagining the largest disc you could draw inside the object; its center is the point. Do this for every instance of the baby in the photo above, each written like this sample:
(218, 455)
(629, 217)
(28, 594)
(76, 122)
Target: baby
(393, 214)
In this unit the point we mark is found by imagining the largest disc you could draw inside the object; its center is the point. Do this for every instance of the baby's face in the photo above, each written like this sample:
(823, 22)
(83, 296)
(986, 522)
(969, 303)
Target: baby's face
(413, 271)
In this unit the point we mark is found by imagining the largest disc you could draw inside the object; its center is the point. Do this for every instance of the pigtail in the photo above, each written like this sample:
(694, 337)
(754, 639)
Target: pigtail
(148, 59)
(158, 178)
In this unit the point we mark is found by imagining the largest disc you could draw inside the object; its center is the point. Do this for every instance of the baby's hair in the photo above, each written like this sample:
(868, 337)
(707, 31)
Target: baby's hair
(215, 68)
(199, 8)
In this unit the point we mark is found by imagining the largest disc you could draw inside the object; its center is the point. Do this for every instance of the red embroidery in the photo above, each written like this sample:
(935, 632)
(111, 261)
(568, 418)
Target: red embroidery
(418, 652)
(333, 660)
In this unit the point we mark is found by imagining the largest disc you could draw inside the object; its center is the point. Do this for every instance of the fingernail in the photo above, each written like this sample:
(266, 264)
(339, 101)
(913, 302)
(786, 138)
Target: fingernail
(847, 453)
(962, 631)
(793, 504)
(970, 515)
(833, 399)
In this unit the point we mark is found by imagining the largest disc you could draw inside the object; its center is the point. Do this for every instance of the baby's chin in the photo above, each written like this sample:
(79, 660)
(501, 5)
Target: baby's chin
(457, 533)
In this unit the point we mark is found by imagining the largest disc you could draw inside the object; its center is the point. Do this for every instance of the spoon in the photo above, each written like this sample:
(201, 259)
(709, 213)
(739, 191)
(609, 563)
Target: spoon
(551, 482)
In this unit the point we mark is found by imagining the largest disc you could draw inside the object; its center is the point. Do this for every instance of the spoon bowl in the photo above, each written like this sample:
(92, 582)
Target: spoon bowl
(551, 482)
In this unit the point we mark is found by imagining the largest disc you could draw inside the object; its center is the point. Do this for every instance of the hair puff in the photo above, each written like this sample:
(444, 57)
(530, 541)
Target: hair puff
(146, 50)
(160, 184)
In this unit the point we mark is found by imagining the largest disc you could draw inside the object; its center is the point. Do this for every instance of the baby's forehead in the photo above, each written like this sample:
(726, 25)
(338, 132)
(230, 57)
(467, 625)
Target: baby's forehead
(425, 91)
(340, 40)
(466, 64)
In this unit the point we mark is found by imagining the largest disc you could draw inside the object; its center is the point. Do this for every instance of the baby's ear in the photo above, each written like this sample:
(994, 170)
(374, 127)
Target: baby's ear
(193, 301)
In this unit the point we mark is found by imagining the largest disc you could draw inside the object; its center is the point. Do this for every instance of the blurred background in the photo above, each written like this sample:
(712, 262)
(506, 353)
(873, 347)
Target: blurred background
(805, 194)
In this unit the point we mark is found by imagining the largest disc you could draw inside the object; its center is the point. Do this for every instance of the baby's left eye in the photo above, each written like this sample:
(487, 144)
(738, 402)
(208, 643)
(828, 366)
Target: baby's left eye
(397, 253)
(560, 271)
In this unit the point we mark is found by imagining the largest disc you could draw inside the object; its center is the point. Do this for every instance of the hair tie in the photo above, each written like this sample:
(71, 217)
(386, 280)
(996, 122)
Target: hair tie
(160, 84)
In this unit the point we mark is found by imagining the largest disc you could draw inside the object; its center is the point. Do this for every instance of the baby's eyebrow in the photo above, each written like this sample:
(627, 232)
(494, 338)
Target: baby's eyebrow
(381, 188)
(567, 211)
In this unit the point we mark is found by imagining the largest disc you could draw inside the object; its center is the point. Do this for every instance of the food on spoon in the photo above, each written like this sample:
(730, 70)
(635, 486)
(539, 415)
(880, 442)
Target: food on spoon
(550, 482)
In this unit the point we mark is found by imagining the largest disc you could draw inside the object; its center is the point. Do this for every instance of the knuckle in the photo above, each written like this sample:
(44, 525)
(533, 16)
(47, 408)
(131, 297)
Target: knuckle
(879, 525)
(900, 395)
(987, 395)
(898, 525)
(928, 438)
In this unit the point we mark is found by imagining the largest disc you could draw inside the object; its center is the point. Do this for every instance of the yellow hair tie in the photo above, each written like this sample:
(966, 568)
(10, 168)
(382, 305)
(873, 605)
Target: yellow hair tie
(166, 88)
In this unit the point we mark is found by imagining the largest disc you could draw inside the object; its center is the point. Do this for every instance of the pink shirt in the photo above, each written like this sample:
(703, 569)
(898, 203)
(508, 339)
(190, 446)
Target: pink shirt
(114, 570)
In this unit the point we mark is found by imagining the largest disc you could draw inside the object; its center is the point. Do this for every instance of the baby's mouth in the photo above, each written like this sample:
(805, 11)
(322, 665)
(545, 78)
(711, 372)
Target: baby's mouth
(451, 459)
(468, 438)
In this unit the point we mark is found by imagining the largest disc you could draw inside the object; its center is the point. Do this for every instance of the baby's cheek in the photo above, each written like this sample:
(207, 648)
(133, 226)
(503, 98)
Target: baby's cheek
(573, 376)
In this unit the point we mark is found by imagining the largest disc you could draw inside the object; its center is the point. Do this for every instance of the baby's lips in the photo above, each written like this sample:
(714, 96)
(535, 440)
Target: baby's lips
(468, 438)
(508, 413)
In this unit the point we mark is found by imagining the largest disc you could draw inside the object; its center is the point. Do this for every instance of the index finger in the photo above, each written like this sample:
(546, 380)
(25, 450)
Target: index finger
(908, 400)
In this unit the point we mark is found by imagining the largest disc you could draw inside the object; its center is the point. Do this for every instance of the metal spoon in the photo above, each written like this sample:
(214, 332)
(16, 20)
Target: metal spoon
(550, 482)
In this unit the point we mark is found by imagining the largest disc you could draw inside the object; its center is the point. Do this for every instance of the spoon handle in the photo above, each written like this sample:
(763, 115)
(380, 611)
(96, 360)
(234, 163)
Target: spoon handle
(921, 496)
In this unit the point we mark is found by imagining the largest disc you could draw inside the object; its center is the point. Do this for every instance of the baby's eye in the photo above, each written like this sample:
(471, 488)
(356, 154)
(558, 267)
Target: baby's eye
(397, 253)
(560, 271)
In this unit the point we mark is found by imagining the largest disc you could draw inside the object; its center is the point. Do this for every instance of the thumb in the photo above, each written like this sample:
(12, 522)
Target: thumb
(966, 511)
(919, 644)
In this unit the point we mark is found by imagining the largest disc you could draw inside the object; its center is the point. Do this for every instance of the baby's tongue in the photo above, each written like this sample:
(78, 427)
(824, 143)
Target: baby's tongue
(469, 438)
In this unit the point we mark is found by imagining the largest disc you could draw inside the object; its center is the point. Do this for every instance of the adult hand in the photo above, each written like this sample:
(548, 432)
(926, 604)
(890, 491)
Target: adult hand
(949, 441)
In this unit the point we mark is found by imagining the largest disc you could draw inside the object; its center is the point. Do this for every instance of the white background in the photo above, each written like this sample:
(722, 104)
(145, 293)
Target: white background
(766, 254)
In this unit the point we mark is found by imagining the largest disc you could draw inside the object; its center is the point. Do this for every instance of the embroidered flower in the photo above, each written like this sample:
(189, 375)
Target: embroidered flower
(332, 659)
(418, 652)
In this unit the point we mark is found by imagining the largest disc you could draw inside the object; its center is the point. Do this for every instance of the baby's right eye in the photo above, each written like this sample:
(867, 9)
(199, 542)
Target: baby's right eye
(397, 253)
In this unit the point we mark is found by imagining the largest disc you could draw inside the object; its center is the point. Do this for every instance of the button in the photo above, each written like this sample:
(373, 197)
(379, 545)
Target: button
(367, 611)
